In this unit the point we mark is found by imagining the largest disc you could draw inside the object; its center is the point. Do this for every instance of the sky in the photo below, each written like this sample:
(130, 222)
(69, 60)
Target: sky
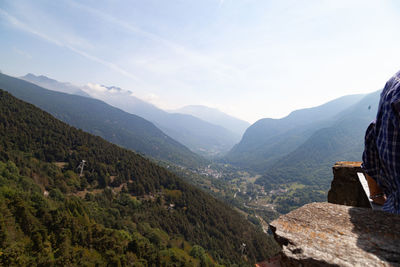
(252, 59)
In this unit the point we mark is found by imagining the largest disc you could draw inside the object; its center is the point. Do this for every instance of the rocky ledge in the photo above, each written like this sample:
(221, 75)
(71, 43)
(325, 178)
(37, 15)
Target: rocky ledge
(325, 234)
(345, 187)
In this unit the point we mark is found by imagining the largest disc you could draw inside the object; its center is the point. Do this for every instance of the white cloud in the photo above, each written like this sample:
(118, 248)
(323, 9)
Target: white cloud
(152, 97)
(99, 88)
(93, 87)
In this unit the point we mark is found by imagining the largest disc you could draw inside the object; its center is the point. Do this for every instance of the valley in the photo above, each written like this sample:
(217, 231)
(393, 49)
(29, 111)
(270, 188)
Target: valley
(291, 168)
(278, 165)
(173, 133)
(239, 189)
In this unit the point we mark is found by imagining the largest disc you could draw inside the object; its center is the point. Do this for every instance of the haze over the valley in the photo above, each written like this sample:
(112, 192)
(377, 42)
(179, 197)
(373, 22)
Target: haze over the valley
(175, 133)
(249, 59)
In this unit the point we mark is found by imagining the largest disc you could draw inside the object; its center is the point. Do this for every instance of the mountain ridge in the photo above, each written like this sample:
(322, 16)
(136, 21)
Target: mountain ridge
(54, 85)
(200, 136)
(268, 139)
(215, 116)
(99, 118)
(310, 163)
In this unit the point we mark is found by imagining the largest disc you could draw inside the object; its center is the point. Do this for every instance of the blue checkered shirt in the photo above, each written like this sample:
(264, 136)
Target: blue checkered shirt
(381, 157)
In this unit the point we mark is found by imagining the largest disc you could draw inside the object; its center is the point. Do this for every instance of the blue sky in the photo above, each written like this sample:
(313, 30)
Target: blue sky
(251, 59)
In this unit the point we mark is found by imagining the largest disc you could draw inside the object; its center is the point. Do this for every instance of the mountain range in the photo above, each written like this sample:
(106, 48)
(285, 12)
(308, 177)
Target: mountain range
(216, 117)
(299, 148)
(297, 152)
(119, 210)
(54, 85)
(267, 140)
(342, 140)
(198, 134)
(99, 118)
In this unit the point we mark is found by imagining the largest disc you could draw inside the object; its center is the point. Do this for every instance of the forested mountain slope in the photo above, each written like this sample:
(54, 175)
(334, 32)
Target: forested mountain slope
(311, 163)
(99, 118)
(124, 210)
(267, 140)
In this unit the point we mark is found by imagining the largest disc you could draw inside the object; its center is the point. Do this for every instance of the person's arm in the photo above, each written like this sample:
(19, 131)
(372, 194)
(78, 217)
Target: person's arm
(371, 163)
(375, 192)
(371, 166)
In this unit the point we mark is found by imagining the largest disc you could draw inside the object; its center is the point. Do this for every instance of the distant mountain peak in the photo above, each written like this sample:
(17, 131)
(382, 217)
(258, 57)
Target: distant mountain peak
(215, 116)
(38, 77)
(29, 75)
(54, 85)
(201, 136)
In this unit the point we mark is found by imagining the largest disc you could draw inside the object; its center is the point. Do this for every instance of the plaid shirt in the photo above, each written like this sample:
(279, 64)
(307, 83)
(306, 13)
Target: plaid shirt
(381, 157)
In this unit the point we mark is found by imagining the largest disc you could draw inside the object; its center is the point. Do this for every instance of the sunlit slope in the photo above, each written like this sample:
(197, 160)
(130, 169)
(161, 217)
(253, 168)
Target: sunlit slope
(123, 210)
(312, 161)
(267, 140)
(310, 164)
(99, 118)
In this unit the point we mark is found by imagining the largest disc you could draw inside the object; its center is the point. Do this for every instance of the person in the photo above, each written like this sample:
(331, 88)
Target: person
(381, 157)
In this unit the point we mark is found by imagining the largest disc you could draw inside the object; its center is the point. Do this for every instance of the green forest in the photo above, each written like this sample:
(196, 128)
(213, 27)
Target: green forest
(123, 211)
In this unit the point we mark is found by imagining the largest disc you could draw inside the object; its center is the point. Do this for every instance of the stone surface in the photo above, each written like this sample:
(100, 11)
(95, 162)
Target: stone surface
(346, 189)
(325, 234)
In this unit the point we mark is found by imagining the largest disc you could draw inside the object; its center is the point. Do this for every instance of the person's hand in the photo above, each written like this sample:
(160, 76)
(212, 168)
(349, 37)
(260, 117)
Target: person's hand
(376, 193)
(378, 199)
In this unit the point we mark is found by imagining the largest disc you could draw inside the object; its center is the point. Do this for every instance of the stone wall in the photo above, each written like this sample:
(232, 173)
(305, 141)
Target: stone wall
(345, 187)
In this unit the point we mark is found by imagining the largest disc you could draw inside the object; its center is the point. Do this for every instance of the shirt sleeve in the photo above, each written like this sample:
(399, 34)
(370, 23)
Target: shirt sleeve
(395, 105)
(371, 162)
(390, 152)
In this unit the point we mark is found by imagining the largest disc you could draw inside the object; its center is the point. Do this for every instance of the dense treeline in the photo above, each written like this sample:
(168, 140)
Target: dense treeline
(58, 230)
(123, 210)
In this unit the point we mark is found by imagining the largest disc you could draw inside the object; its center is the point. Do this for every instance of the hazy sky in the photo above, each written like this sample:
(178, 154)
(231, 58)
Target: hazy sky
(251, 59)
